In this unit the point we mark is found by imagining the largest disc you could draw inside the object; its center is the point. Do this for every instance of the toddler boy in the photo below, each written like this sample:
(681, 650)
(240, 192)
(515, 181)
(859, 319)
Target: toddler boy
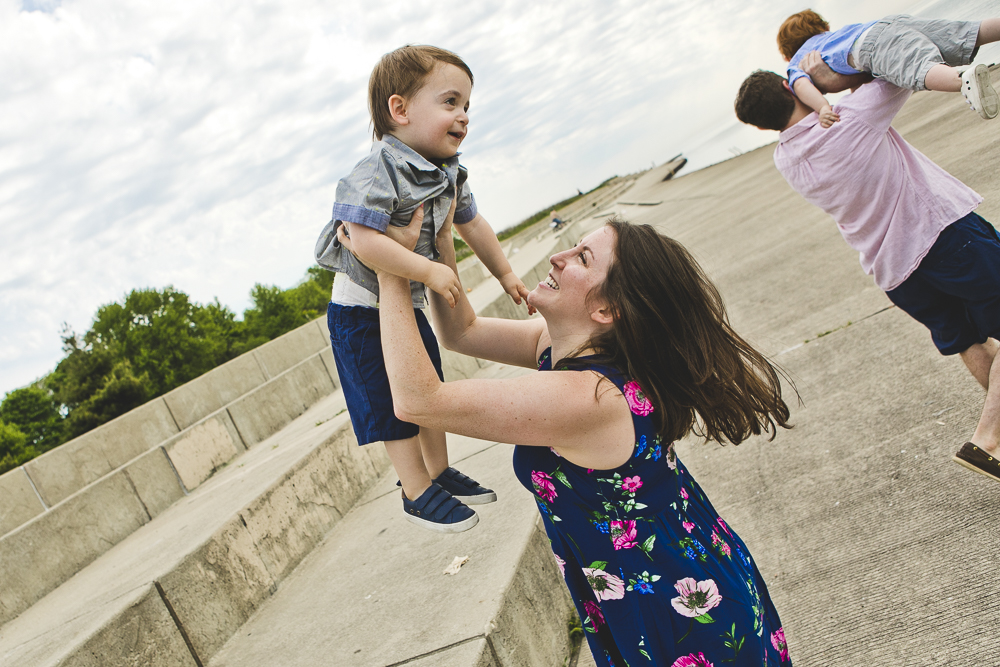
(418, 97)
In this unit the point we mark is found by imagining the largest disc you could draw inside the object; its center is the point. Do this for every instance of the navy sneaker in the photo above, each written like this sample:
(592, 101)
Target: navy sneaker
(465, 488)
(438, 510)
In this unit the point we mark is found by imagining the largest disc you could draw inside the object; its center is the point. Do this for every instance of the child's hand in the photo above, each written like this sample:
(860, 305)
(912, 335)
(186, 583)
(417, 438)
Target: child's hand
(514, 287)
(444, 281)
(827, 116)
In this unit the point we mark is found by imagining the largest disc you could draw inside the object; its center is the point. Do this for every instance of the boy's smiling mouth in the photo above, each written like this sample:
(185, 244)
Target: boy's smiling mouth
(457, 135)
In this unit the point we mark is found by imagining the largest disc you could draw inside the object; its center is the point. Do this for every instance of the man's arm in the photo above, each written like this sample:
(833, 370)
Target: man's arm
(825, 79)
(480, 237)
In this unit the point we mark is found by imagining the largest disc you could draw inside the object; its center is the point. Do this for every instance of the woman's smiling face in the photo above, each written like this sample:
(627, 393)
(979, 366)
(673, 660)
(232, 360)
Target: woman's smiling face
(574, 274)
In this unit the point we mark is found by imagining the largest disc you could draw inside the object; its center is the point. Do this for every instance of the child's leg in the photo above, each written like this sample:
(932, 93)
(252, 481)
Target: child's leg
(408, 462)
(434, 448)
(943, 78)
(989, 32)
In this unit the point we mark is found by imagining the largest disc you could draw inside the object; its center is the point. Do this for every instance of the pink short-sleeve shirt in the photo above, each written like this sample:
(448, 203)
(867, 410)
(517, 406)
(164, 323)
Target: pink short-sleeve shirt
(889, 200)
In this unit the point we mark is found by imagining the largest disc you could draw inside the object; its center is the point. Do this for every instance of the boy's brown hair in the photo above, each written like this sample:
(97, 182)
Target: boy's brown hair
(797, 29)
(402, 72)
(764, 102)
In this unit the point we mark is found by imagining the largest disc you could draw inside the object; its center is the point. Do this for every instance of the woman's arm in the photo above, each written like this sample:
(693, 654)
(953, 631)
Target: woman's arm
(514, 342)
(588, 424)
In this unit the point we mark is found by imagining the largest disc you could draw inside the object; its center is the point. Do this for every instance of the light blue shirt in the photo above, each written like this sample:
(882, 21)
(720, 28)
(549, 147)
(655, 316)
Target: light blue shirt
(385, 188)
(834, 46)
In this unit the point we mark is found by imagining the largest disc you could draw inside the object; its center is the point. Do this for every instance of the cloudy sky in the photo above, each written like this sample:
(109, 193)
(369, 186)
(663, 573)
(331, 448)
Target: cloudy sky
(193, 144)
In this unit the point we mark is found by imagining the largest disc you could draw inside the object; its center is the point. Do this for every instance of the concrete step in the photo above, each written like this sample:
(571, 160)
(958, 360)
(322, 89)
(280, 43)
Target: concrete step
(375, 593)
(178, 587)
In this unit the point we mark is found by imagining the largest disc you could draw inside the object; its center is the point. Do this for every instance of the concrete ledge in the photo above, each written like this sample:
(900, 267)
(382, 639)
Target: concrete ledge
(192, 402)
(352, 600)
(20, 502)
(60, 473)
(155, 638)
(289, 349)
(231, 542)
(271, 406)
(199, 451)
(51, 548)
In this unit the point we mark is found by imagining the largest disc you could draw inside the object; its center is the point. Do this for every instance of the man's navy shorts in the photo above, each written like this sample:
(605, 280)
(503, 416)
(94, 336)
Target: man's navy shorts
(357, 349)
(955, 292)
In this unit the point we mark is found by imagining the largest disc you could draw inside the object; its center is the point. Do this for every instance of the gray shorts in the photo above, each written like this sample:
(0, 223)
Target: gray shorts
(901, 49)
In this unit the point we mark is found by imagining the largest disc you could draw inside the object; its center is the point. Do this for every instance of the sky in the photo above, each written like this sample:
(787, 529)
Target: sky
(198, 145)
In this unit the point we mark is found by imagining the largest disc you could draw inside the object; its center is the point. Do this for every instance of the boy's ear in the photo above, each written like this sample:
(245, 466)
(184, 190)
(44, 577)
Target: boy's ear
(784, 83)
(397, 109)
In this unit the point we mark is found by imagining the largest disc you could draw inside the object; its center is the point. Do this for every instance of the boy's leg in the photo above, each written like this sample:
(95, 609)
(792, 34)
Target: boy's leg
(943, 78)
(989, 32)
(434, 449)
(408, 462)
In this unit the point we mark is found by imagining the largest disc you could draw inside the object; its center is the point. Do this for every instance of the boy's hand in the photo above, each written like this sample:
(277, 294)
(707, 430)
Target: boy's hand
(514, 287)
(443, 280)
(827, 116)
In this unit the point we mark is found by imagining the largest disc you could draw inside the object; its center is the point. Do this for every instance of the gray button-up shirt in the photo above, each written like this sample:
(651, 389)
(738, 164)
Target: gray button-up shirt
(385, 189)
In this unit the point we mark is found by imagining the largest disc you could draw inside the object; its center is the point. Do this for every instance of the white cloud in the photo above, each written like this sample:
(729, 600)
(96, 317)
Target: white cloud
(199, 144)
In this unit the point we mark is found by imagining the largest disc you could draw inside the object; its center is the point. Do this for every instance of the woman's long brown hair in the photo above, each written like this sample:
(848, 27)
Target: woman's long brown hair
(672, 335)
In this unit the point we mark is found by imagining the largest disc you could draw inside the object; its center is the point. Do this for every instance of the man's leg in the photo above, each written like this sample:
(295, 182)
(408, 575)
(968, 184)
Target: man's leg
(979, 360)
(987, 435)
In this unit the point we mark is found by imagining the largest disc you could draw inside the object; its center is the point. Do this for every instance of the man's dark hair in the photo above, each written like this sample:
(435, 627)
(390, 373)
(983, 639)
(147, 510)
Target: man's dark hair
(763, 101)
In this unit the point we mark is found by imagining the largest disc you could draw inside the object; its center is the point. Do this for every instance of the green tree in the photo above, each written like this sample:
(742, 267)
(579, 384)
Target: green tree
(35, 413)
(14, 448)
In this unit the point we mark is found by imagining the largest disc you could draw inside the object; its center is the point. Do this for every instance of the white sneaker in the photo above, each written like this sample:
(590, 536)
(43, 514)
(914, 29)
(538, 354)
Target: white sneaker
(979, 91)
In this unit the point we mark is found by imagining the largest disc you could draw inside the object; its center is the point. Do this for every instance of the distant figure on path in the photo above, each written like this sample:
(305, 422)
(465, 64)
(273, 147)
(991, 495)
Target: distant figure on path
(555, 222)
(912, 222)
(914, 53)
(634, 346)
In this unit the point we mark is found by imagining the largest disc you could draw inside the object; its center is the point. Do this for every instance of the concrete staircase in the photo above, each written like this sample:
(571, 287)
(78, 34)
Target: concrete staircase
(155, 538)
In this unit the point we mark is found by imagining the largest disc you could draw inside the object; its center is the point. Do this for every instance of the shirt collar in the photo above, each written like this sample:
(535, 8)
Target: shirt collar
(404, 152)
(803, 125)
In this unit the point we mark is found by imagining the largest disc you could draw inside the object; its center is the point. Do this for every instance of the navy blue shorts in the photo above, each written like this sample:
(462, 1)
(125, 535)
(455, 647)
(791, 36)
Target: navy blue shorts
(357, 349)
(955, 292)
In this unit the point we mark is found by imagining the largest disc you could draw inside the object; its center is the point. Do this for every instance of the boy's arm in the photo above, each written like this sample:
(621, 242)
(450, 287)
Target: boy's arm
(480, 237)
(382, 253)
(825, 79)
(810, 95)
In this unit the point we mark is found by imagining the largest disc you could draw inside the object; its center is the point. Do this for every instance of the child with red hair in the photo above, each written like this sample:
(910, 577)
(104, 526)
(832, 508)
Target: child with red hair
(913, 53)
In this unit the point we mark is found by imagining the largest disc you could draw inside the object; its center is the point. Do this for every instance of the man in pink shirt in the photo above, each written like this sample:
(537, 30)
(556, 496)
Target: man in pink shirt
(912, 222)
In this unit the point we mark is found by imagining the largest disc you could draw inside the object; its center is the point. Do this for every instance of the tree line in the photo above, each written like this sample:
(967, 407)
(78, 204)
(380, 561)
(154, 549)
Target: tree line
(150, 342)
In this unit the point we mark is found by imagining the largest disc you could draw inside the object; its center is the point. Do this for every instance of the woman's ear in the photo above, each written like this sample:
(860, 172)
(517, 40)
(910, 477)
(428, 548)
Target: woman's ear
(397, 109)
(605, 314)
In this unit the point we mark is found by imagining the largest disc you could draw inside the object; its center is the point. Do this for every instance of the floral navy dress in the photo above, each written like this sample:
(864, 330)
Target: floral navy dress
(656, 575)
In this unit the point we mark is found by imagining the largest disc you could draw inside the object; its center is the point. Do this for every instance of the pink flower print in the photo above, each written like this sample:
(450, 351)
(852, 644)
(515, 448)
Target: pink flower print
(561, 563)
(692, 660)
(595, 614)
(543, 485)
(780, 645)
(671, 457)
(724, 526)
(623, 534)
(696, 597)
(688, 526)
(606, 586)
(631, 484)
(684, 493)
(555, 452)
(637, 401)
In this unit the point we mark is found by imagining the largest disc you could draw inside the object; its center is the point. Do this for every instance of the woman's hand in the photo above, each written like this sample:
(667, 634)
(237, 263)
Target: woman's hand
(445, 241)
(404, 236)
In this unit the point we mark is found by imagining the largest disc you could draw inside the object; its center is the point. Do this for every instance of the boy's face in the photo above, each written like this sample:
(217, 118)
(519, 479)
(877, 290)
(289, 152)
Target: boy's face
(434, 121)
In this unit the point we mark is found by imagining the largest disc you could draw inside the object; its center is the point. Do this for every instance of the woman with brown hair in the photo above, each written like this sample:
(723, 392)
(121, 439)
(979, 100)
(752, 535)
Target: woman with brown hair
(642, 353)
